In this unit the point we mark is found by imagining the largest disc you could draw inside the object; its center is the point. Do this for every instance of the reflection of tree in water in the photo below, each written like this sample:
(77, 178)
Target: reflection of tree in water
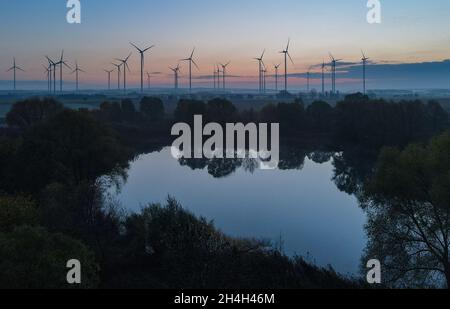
(320, 157)
(292, 158)
(351, 169)
(220, 168)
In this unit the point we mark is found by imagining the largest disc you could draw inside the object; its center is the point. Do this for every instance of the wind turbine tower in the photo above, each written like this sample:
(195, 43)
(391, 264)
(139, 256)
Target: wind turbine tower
(142, 52)
(14, 68)
(364, 61)
(109, 78)
(191, 61)
(224, 72)
(76, 71)
(125, 68)
(276, 76)
(286, 55)
(261, 63)
(61, 63)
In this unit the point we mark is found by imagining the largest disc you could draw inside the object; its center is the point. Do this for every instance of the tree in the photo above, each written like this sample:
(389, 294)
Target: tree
(221, 111)
(320, 115)
(27, 113)
(35, 259)
(69, 148)
(17, 211)
(408, 203)
(187, 109)
(152, 108)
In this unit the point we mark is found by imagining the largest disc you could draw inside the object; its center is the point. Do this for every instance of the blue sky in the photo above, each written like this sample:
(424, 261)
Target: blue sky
(412, 31)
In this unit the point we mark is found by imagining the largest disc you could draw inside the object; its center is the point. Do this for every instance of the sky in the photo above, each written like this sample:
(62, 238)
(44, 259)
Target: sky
(413, 38)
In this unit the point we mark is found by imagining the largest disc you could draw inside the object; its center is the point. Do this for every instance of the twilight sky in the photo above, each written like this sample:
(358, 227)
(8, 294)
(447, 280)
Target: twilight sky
(414, 38)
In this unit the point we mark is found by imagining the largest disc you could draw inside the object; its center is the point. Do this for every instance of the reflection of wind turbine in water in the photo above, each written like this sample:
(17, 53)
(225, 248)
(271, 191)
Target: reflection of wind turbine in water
(76, 71)
(142, 52)
(125, 68)
(364, 60)
(260, 62)
(286, 55)
(191, 61)
(14, 68)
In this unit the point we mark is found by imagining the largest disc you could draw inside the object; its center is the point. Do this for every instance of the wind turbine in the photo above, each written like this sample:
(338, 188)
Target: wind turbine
(109, 77)
(224, 72)
(142, 52)
(286, 55)
(276, 66)
(125, 68)
(149, 76)
(364, 60)
(260, 62)
(214, 76)
(53, 64)
(176, 71)
(61, 63)
(333, 73)
(118, 66)
(308, 77)
(14, 68)
(323, 77)
(48, 71)
(191, 61)
(264, 71)
(76, 71)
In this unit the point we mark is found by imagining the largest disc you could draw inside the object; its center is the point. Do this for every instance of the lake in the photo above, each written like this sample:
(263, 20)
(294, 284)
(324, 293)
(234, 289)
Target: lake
(301, 206)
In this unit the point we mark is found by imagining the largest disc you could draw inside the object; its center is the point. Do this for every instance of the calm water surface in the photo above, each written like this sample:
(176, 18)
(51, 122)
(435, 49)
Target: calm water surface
(304, 206)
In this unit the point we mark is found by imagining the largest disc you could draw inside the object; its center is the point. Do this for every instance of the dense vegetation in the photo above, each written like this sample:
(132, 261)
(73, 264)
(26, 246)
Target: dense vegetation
(56, 163)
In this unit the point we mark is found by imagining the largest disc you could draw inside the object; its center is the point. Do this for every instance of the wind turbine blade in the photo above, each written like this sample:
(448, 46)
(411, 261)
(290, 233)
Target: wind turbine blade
(289, 42)
(126, 59)
(290, 58)
(195, 64)
(136, 47)
(68, 66)
(148, 48)
(62, 55)
(192, 54)
(19, 69)
(10, 69)
(262, 56)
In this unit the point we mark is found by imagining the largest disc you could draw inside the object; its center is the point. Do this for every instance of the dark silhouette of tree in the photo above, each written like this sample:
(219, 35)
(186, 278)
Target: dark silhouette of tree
(408, 204)
(320, 116)
(35, 259)
(221, 111)
(187, 109)
(27, 113)
(152, 108)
